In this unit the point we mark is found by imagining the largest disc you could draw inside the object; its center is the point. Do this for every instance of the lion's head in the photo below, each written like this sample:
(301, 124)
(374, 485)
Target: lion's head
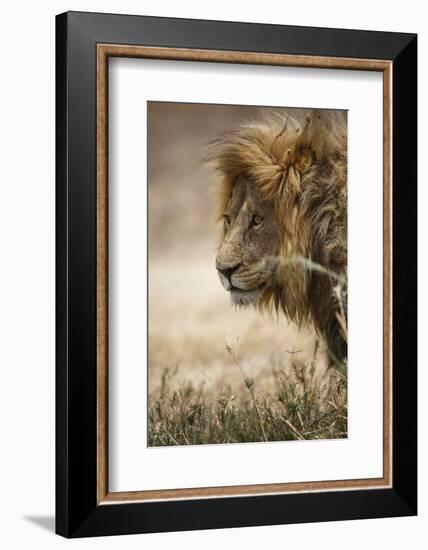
(283, 197)
(250, 234)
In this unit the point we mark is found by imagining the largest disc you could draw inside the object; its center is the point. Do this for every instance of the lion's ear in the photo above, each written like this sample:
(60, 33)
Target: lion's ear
(303, 160)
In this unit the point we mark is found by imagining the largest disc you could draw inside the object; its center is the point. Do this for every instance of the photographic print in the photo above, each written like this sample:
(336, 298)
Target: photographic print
(247, 286)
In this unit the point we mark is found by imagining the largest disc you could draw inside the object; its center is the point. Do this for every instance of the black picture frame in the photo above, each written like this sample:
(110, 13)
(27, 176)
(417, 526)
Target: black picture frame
(77, 511)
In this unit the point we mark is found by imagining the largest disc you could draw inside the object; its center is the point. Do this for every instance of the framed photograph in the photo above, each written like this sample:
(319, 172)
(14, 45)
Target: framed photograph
(236, 274)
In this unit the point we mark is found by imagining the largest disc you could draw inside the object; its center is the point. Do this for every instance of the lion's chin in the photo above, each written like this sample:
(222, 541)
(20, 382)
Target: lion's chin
(245, 298)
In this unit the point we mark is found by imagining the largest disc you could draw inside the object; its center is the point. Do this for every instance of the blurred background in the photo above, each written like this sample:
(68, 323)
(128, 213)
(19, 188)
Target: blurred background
(190, 316)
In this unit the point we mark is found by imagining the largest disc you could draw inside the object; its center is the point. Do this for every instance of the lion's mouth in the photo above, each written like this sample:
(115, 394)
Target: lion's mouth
(234, 288)
(241, 297)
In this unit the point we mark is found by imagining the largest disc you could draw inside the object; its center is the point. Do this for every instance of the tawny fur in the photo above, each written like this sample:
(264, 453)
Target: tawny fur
(302, 168)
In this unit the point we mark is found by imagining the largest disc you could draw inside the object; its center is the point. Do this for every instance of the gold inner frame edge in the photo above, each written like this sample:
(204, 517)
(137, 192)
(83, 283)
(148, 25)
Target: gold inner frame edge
(104, 51)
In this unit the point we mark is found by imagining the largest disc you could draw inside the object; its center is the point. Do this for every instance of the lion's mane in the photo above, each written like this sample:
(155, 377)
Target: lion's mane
(302, 167)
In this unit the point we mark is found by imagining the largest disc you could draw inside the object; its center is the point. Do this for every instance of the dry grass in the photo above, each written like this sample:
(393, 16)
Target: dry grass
(300, 409)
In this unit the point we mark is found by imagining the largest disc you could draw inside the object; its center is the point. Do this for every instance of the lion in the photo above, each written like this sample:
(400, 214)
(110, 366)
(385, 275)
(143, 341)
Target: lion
(283, 202)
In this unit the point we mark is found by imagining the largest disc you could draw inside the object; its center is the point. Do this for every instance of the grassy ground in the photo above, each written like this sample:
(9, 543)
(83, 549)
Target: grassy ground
(299, 410)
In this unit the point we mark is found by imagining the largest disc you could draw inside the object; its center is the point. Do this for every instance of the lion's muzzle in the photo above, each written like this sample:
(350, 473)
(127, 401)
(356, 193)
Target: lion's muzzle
(225, 274)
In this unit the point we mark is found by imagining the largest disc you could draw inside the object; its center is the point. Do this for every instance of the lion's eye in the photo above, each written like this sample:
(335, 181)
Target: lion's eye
(256, 220)
(226, 219)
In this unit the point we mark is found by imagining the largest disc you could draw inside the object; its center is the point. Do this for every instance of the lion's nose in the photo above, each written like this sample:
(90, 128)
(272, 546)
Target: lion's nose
(227, 271)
